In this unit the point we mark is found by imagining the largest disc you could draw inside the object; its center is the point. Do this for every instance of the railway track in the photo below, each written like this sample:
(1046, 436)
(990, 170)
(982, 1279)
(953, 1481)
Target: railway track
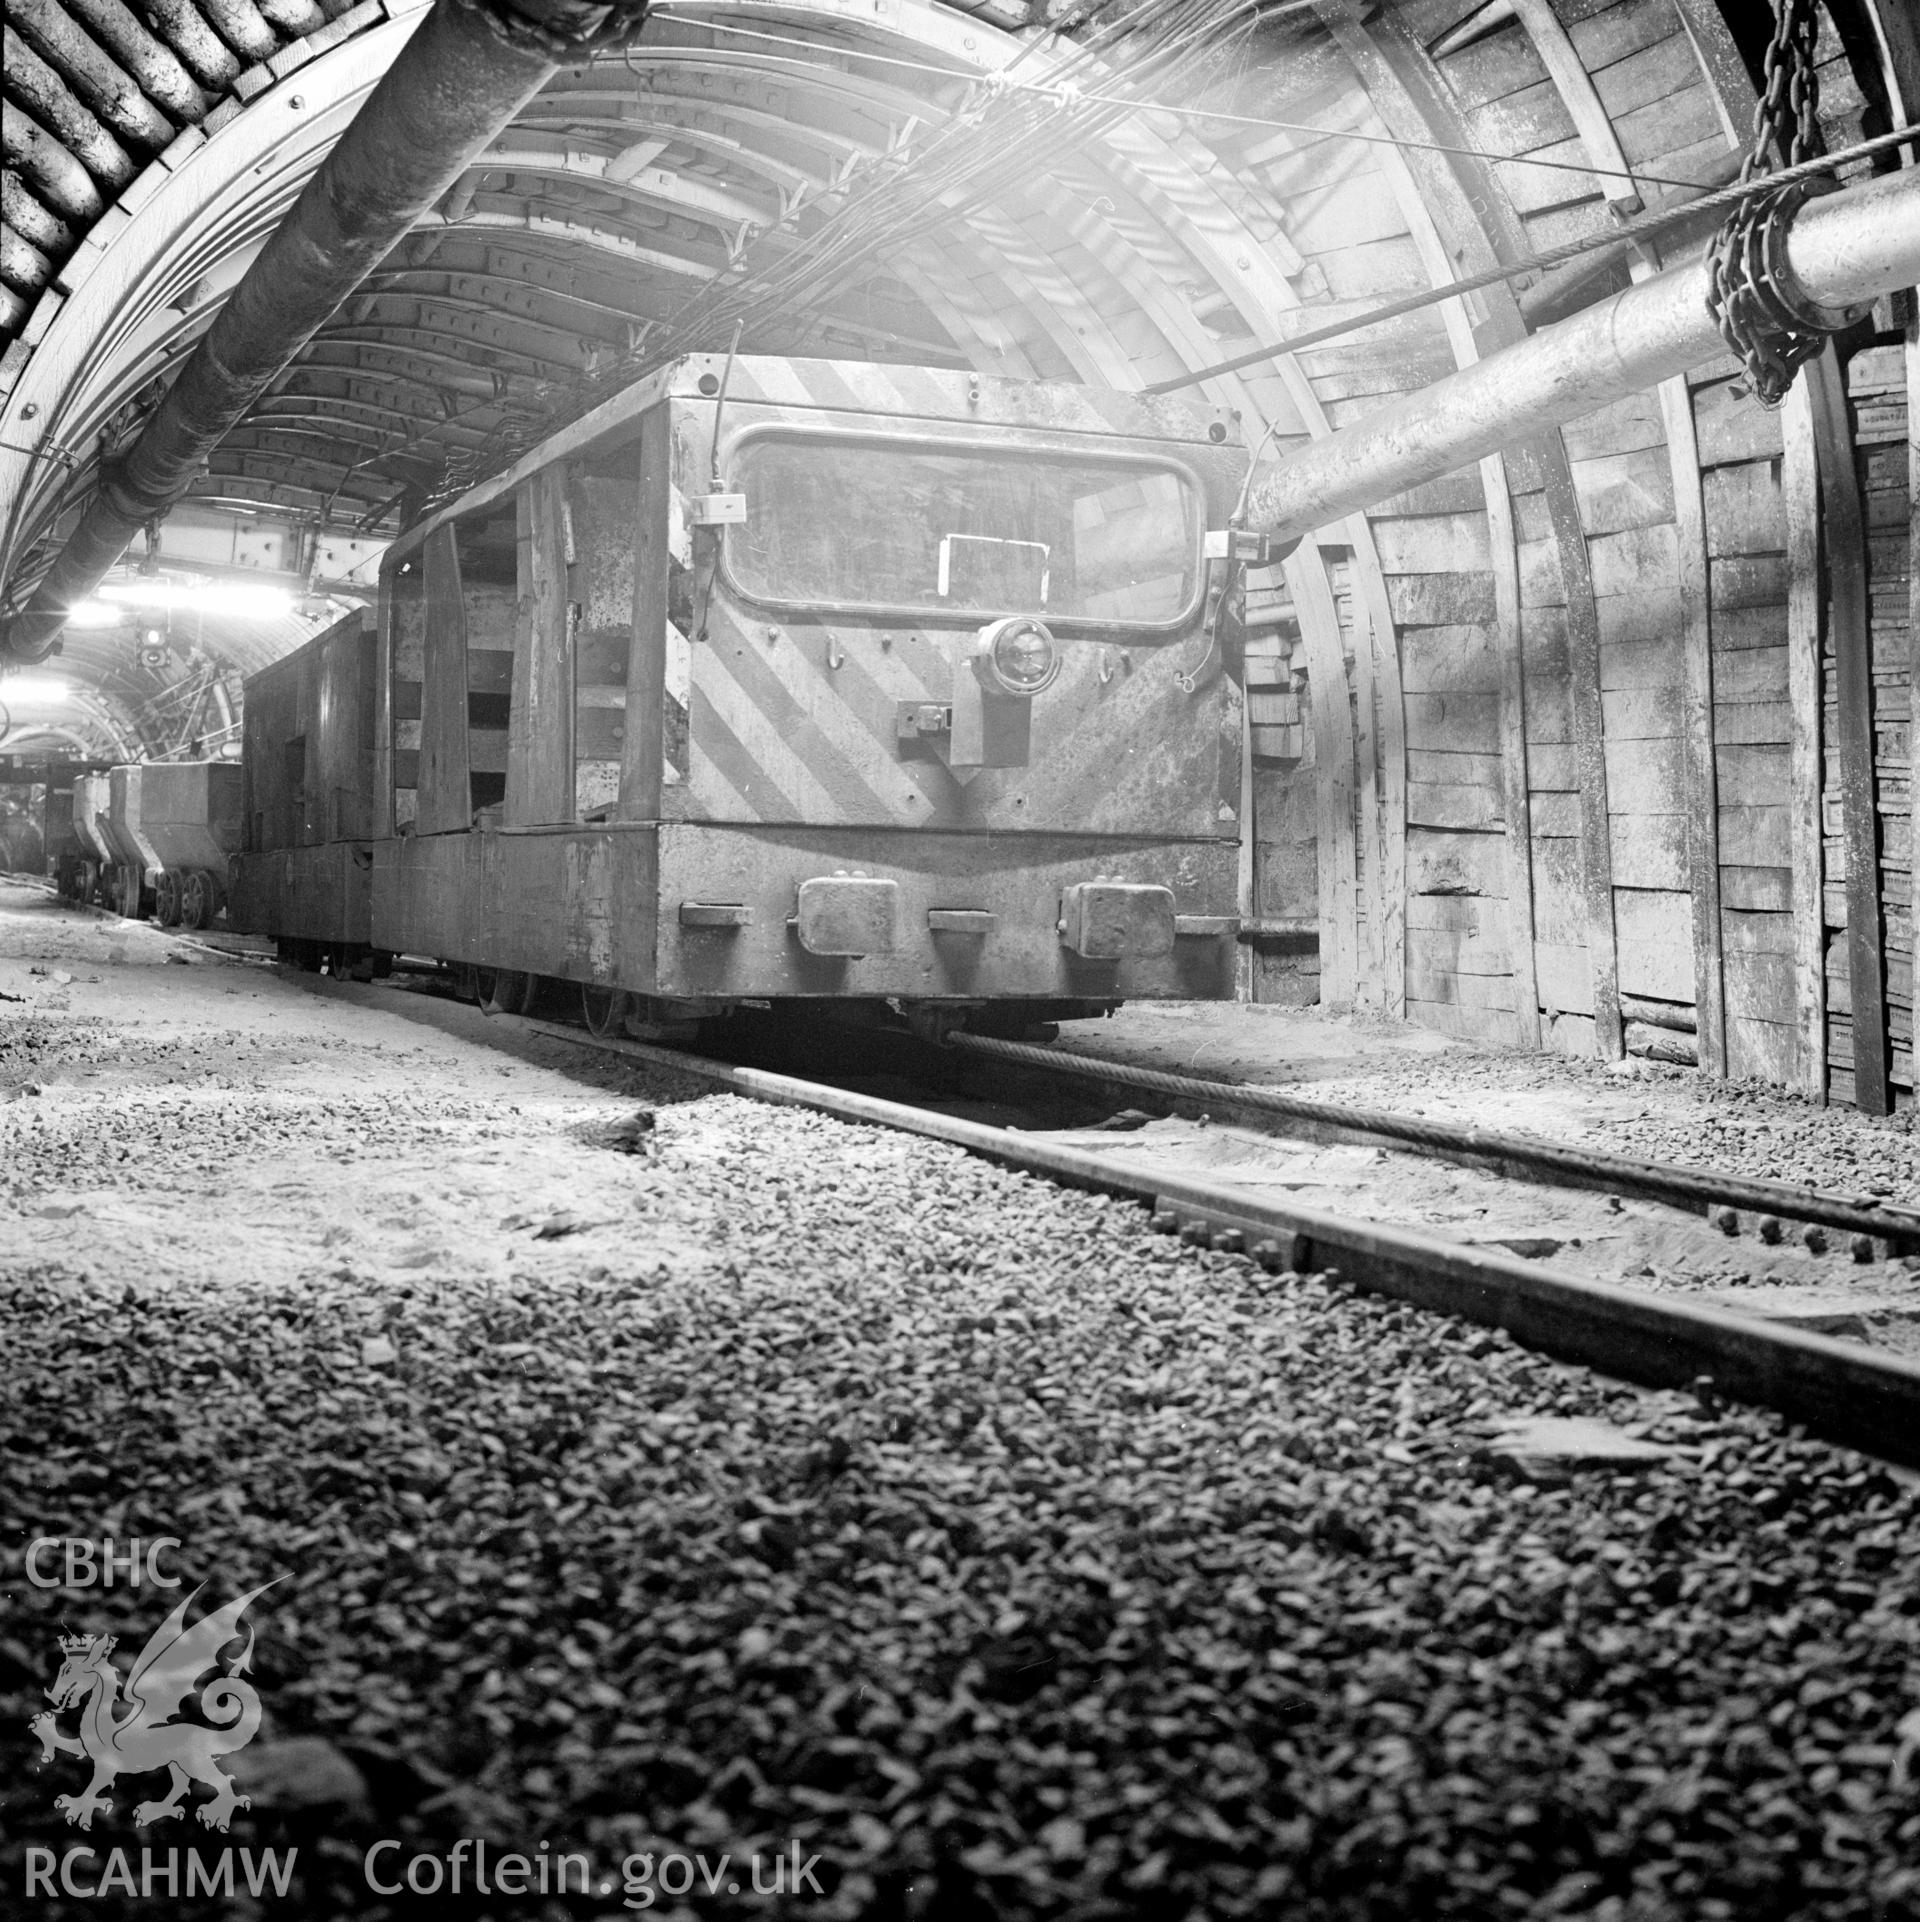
(1872, 1225)
(1845, 1390)
(1842, 1389)
(851, 1459)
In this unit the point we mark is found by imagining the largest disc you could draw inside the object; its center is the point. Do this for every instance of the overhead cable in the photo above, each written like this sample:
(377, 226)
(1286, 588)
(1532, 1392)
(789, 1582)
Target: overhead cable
(1647, 227)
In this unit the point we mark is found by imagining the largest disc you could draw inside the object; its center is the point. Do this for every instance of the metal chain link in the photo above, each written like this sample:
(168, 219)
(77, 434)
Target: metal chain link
(1768, 323)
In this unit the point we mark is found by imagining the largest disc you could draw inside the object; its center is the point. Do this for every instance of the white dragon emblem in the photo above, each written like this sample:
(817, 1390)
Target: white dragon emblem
(149, 1738)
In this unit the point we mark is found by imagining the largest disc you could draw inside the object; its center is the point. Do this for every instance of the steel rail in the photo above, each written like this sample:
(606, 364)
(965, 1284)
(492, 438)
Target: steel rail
(1844, 1391)
(1528, 1157)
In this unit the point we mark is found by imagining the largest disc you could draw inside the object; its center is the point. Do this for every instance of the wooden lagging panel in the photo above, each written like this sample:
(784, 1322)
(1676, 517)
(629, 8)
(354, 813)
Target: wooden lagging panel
(1748, 537)
(1876, 386)
(1650, 91)
(1617, 86)
(1564, 979)
(1623, 84)
(1622, 479)
(1351, 222)
(1285, 966)
(1340, 218)
(1433, 546)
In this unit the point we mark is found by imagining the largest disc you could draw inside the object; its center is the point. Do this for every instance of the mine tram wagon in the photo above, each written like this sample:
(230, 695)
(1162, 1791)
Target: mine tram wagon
(779, 679)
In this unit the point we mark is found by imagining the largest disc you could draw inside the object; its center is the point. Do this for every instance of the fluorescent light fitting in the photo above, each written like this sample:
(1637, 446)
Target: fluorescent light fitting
(33, 690)
(210, 597)
(95, 614)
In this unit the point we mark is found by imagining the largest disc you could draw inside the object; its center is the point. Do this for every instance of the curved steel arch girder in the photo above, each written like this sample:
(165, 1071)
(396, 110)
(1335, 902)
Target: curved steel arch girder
(678, 130)
(78, 374)
(651, 186)
(1179, 213)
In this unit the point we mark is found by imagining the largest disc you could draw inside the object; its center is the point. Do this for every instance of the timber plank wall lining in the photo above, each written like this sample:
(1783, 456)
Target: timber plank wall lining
(1286, 873)
(1877, 391)
(1741, 483)
(1687, 804)
(1618, 85)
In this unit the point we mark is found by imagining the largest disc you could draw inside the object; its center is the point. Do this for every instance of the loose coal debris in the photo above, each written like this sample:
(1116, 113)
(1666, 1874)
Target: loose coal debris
(1013, 1560)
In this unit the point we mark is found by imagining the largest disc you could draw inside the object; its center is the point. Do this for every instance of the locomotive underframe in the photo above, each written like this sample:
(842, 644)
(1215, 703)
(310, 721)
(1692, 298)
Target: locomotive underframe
(604, 906)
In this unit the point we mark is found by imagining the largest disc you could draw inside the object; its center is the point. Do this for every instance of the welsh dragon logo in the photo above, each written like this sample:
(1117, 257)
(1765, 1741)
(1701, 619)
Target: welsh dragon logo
(149, 1737)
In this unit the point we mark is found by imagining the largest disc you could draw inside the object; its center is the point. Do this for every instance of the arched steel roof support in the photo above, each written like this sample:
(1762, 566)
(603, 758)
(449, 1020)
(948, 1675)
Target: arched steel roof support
(455, 85)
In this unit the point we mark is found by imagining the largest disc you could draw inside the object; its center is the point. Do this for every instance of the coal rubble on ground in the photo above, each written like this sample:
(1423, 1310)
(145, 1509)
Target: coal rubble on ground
(1010, 1559)
(633, 1135)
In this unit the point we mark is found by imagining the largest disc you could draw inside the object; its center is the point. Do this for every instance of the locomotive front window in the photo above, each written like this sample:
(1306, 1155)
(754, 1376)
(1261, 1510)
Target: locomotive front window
(847, 523)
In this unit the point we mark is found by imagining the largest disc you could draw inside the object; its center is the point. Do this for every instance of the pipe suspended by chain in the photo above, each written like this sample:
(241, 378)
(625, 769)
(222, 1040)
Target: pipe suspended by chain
(1840, 253)
(463, 75)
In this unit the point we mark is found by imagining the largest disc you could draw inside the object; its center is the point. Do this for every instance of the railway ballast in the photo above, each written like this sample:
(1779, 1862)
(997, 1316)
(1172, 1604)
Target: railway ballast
(1002, 1553)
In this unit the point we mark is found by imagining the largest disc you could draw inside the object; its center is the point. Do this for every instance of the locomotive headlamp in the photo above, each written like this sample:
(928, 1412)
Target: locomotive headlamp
(1012, 660)
(1018, 656)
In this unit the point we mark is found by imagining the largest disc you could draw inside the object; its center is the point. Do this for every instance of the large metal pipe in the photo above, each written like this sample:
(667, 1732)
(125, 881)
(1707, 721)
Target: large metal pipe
(465, 73)
(1844, 249)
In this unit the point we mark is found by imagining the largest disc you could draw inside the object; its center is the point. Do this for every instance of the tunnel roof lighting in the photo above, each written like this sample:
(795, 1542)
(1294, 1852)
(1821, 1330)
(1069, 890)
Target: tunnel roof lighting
(95, 614)
(208, 597)
(33, 689)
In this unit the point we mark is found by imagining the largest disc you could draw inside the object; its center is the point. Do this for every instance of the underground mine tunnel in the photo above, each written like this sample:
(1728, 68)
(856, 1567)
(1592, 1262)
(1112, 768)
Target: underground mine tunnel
(1077, 843)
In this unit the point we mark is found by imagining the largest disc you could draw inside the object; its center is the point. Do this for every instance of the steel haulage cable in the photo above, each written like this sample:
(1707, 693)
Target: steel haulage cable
(1583, 1167)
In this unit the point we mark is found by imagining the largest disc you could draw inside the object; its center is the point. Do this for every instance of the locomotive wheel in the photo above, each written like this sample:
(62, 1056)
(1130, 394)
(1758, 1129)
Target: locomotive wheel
(166, 899)
(605, 1010)
(194, 899)
(651, 1020)
(509, 992)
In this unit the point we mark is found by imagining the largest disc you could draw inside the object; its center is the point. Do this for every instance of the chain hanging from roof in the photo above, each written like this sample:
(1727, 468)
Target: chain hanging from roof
(1768, 323)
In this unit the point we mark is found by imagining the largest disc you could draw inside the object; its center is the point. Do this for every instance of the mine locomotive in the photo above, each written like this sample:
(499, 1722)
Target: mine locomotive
(778, 678)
